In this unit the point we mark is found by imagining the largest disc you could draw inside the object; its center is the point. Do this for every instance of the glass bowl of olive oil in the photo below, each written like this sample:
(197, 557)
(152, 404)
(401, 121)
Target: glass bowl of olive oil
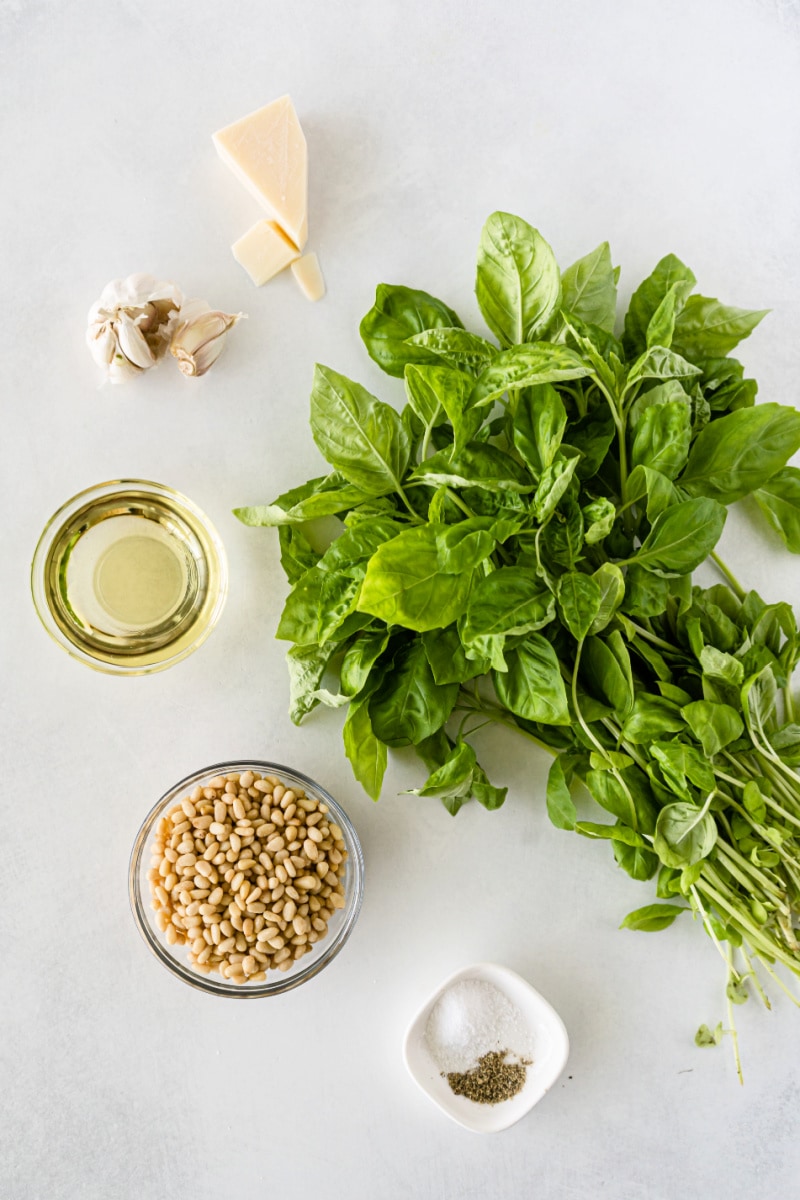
(129, 577)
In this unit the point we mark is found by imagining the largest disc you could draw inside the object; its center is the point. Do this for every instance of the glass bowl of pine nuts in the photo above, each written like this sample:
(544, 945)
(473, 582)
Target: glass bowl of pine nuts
(246, 879)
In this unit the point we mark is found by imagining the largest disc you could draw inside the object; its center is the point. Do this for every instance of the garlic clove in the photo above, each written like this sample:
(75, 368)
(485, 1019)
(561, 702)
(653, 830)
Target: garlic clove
(199, 340)
(132, 342)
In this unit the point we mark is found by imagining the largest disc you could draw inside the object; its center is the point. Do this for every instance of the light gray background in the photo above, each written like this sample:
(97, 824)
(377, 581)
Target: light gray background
(669, 125)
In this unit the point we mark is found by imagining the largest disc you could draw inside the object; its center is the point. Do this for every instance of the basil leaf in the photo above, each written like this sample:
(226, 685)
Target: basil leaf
(579, 600)
(606, 672)
(553, 484)
(707, 329)
(649, 295)
(589, 288)
(397, 315)
(360, 658)
(510, 600)
(659, 363)
(532, 686)
(464, 350)
(454, 777)
(599, 517)
(518, 284)
(637, 862)
(592, 436)
(404, 584)
(436, 389)
(333, 495)
(359, 435)
(477, 465)
(653, 917)
(650, 717)
(611, 583)
(610, 833)
(714, 725)
(741, 452)
(297, 554)
(306, 666)
(367, 754)
(448, 659)
(663, 438)
(409, 705)
(539, 423)
(682, 537)
(779, 500)
(526, 366)
(465, 545)
(486, 793)
(317, 606)
(684, 835)
(560, 805)
(646, 595)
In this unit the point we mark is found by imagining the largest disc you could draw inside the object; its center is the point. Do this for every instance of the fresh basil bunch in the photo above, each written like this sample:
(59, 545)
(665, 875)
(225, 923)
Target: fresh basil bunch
(517, 546)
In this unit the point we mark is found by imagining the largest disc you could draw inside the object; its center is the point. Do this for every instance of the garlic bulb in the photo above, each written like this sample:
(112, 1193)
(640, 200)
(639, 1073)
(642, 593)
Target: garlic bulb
(131, 324)
(199, 337)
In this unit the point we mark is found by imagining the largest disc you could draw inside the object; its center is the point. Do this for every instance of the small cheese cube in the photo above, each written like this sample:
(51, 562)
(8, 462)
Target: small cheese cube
(307, 273)
(264, 251)
(266, 151)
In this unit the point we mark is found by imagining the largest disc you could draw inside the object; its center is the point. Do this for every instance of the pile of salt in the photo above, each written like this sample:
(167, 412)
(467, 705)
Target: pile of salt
(473, 1018)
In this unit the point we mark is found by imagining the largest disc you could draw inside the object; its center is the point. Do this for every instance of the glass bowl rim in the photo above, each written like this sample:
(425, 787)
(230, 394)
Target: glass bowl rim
(208, 983)
(51, 531)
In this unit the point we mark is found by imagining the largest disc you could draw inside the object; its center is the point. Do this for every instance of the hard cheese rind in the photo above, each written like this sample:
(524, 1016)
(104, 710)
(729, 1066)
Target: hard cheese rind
(264, 251)
(267, 152)
(306, 271)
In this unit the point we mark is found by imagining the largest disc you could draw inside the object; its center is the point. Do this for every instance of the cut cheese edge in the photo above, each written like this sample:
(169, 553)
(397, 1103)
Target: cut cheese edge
(264, 251)
(306, 271)
(266, 151)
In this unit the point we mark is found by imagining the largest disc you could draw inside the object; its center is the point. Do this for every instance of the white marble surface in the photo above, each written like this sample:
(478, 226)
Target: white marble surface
(669, 125)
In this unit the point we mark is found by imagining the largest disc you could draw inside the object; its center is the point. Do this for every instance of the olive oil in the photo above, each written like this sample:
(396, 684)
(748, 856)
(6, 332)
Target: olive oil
(133, 577)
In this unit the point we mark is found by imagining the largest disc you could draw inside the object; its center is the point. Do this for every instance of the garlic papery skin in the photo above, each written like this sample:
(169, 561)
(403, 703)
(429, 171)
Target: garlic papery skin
(131, 324)
(199, 337)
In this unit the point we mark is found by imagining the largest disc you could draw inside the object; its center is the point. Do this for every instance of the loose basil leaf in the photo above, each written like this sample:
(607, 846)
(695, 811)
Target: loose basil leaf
(527, 366)
(464, 350)
(306, 666)
(649, 295)
(579, 600)
(653, 917)
(409, 705)
(714, 725)
(708, 1037)
(741, 452)
(560, 805)
(448, 658)
(404, 584)
(682, 537)
(511, 601)
(684, 835)
(707, 329)
(659, 363)
(477, 465)
(518, 284)
(317, 606)
(589, 288)
(360, 657)
(532, 686)
(358, 434)
(779, 500)
(663, 437)
(539, 423)
(367, 754)
(398, 314)
(599, 517)
(611, 582)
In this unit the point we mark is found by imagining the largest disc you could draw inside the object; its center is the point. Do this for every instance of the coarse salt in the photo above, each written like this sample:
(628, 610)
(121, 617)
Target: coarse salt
(472, 1018)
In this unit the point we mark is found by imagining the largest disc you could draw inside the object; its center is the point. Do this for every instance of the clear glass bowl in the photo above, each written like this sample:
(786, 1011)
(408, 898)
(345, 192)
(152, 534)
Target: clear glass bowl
(175, 958)
(71, 564)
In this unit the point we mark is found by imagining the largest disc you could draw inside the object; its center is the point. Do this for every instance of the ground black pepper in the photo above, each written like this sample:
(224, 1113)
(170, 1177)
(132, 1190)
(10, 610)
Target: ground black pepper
(492, 1080)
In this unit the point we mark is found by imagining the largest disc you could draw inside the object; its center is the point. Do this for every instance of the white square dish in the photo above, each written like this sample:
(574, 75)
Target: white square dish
(550, 1053)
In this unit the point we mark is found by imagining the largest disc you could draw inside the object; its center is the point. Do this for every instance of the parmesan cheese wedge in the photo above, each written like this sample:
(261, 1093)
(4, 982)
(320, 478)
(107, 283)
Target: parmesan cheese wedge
(264, 251)
(307, 272)
(266, 151)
